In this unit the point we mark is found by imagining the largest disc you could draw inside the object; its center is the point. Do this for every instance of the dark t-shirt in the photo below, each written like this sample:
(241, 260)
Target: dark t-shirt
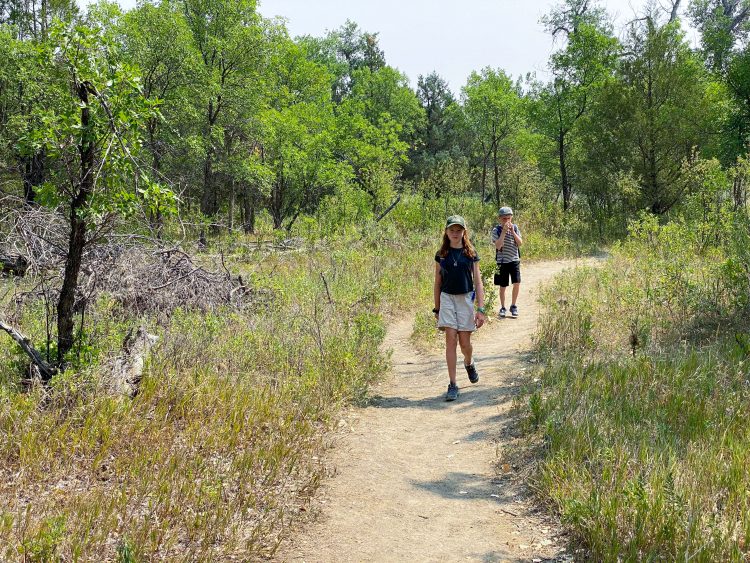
(456, 271)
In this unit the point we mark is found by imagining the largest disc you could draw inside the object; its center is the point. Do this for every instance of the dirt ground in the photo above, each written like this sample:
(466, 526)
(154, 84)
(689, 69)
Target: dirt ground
(414, 478)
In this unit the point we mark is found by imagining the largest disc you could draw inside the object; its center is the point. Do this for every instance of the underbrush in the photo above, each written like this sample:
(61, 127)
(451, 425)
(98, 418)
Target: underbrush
(641, 411)
(219, 451)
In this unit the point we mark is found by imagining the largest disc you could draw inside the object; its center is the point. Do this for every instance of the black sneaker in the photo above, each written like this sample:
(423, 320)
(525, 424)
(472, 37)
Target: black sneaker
(452, 393)
(501, 314)
(513, 311)
(472, 371)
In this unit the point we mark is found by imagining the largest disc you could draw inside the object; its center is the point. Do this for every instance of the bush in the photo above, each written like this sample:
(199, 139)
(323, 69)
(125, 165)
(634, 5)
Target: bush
(643, 402)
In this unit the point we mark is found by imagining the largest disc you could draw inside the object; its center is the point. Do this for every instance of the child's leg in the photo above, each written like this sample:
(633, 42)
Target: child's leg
(502, 296)
(451, 339)
(464, 340)
(516, 289)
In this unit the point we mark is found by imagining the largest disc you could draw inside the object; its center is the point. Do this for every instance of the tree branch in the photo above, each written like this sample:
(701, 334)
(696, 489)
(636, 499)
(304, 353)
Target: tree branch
(45, 369)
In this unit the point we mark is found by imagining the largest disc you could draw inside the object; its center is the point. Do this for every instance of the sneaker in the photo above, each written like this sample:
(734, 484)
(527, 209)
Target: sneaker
(452, 393)
(502, 312)
(513, 311)
(472, 371)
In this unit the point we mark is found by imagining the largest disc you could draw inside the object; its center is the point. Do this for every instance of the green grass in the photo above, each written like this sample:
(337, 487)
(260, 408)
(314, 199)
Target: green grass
(217, 454)
(647, 458)
(641, 407)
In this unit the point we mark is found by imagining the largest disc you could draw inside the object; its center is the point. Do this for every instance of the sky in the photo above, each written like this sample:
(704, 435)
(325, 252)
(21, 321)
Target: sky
(452, 37)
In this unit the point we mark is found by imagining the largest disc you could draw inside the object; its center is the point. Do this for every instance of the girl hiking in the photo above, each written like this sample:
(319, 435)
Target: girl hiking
(457, 284)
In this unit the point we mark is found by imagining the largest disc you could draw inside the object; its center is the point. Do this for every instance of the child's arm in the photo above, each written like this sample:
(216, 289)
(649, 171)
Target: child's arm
(516, 235)
(436, 287)
(497, 238)
(480, 316)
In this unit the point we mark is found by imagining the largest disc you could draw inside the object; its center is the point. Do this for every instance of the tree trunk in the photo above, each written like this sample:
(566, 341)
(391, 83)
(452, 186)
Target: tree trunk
(564, 180)
(484, 179)
(127, 370)
(155, 217)
(739, 194)
(45, 370)
(208, 199)
(248, 202)
(77, 240)
(277, 201)
(231, 206)
(32, 175)
(496, 172)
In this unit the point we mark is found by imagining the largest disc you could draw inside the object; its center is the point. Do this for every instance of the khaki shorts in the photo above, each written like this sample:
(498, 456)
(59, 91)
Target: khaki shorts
(457, 311)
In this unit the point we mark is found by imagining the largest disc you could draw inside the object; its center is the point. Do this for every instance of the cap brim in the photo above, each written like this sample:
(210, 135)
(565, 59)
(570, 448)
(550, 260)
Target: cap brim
(459, 224)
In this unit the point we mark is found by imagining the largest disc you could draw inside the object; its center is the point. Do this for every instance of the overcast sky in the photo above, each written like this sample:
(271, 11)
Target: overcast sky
(452, 37)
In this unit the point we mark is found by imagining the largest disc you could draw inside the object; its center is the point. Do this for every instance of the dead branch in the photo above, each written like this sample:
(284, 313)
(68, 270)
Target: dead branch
(45, 369)
(387, 211)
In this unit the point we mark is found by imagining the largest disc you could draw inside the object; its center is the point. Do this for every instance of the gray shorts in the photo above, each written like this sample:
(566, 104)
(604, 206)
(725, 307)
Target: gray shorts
(457, 311)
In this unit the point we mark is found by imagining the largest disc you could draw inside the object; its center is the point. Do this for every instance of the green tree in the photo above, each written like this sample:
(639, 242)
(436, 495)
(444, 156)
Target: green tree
(658, 114)
(578, 70)
(230, 38)
(344, 51)
(436, 140)
(157, 40)
(737, 138)
(91, 132)
(722, 24)
(24, 25)
(493, 114)
(385, 95)
(297, 142)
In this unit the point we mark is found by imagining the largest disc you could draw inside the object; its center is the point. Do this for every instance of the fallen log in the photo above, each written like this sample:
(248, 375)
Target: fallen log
(45, 370)
(127, 369)
(13, 264)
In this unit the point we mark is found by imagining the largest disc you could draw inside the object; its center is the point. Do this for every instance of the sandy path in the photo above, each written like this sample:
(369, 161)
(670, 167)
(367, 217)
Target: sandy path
(416, 478)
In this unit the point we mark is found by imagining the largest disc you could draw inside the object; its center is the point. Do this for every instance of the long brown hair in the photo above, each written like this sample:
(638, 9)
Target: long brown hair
(468, 247)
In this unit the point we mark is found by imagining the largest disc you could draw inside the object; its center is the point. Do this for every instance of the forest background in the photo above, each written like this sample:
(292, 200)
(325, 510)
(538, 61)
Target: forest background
(262, 203)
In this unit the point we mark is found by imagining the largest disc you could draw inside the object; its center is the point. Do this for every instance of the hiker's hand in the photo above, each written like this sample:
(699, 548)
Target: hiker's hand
(479, 319)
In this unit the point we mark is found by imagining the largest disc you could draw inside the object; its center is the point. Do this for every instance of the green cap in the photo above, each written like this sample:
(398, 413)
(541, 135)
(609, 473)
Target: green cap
(455, 220)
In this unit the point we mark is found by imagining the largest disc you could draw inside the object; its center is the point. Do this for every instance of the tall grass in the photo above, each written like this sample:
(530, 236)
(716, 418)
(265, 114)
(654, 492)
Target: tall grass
(642, 407)
(220, 450)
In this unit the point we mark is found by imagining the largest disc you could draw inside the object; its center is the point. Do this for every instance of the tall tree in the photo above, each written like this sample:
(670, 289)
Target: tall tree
(229, 37)
(297, 141)
(737, 138)
(586, 61)
(493, 113)
(722, 24)
(436, 141)
(344, 51)
(91, 132)
(157, 39)
(20, 90)
(661, 111)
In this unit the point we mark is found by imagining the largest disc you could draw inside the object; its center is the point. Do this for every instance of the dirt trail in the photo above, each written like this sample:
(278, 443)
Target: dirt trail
(416, 478)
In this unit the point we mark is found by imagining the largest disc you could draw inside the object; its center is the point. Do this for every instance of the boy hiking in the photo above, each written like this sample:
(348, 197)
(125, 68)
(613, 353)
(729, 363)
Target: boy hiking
(507, 239)
(457, 283)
